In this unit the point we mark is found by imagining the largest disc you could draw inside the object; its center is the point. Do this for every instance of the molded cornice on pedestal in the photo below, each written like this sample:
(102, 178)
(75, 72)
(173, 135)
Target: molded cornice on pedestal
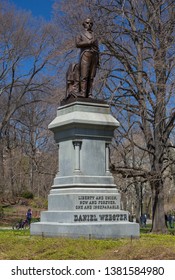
(80, 119)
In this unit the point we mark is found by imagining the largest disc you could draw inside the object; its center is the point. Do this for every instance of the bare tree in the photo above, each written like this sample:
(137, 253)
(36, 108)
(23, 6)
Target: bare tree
(130, 162)
(28, 56)
(30, 157)
(32, 125)
(138, 47)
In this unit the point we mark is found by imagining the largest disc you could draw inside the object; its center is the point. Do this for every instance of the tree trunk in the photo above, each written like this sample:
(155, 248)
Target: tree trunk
(11, 167)
(139, 201)
(1, 168)
(158, 219)
(137, 212)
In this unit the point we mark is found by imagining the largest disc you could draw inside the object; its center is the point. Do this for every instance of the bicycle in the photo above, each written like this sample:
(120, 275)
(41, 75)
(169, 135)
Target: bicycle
(21, 224)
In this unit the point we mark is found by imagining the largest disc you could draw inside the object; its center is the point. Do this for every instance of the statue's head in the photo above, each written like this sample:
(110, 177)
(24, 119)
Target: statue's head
(88, 23)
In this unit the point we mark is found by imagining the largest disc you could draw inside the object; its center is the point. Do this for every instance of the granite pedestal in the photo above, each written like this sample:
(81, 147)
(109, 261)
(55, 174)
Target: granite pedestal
(84, 201)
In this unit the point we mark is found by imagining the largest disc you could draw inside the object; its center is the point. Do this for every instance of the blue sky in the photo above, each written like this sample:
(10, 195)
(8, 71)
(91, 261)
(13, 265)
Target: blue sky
(37, 7)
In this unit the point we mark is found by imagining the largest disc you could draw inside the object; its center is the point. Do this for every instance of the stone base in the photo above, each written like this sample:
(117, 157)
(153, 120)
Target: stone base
(86, 230)
(85, 212)
(84, 201)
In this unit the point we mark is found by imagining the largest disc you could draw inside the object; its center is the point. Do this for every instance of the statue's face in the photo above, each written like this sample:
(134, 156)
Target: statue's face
(88, 24)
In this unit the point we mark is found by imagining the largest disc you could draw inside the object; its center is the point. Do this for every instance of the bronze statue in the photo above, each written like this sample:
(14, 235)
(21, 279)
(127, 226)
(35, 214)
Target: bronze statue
(89, 57)
(80, 76)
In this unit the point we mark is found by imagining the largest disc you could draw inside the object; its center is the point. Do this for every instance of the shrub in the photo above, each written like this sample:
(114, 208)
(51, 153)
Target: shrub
(28, 195)
(39, 202)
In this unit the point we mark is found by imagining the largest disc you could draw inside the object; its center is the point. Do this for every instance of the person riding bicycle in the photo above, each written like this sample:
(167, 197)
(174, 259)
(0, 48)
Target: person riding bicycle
(29, 216)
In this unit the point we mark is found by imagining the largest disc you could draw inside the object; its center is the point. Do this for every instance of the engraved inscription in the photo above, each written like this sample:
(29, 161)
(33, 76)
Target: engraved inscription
(95, 202)
(100, 218)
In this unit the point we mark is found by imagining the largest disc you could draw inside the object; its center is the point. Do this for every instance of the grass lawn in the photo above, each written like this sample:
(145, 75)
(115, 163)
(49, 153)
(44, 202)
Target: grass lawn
(19, 245)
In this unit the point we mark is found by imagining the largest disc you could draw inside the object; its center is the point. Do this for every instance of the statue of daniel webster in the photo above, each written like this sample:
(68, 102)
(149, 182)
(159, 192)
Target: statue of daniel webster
(80, 76)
